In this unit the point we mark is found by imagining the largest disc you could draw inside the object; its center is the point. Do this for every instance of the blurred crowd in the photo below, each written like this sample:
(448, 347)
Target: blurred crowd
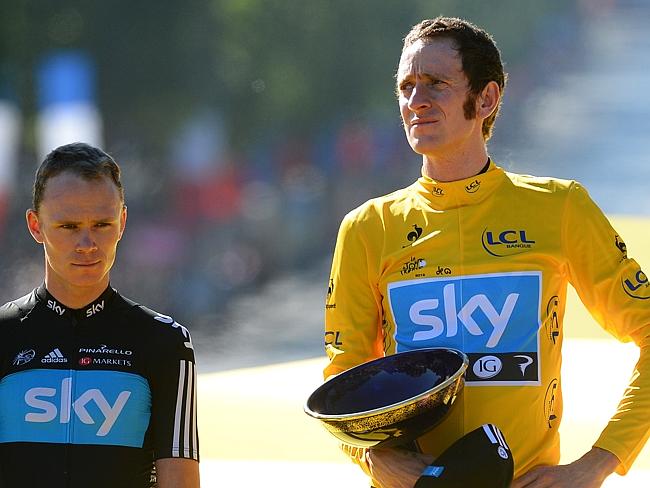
(228, 222)
(209, 223)
(213, 215)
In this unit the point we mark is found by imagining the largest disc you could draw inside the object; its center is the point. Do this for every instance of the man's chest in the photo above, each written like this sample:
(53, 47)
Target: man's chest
(73, 386)
(479, 284)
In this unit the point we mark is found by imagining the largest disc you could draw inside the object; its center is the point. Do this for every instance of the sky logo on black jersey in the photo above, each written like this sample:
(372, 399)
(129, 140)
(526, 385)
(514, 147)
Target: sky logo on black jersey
(95, 308)
(89, 407)
(166, 319)
(52, 305)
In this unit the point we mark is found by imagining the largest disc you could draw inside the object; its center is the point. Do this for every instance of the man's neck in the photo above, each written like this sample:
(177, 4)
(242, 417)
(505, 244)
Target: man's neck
(75, 297)
(454, 167)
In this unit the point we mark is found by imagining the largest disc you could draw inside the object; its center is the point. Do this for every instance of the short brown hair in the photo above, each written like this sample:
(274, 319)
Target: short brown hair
(479, 55)
(79, 158)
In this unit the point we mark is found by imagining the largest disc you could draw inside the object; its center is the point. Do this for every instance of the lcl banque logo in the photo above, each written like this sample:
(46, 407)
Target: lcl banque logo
(473, 186)
(637, 286)
(506, 242)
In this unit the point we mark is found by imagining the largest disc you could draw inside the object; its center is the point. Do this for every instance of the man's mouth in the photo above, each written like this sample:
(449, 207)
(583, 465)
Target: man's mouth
(420, 122)
(89, 263)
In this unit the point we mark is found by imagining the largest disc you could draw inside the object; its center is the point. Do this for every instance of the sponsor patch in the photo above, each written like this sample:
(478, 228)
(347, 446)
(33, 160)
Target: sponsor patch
(328, 299)
(166, 319)
(87, 407)
(413, 264)
(55, 307)
(637, 286)
(333, 338)
(415, 234)
(552, 323)
(54, 356)
(506, 242)
(473, 186)
(493, 318)
(549, 403)
(23, 357)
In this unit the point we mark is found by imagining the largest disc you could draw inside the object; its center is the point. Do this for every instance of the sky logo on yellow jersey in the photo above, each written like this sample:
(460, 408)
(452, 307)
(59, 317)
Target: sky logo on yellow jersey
(493, 318)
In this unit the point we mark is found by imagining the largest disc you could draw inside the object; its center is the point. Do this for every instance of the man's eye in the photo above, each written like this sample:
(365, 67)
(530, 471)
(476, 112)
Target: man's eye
(68, 226)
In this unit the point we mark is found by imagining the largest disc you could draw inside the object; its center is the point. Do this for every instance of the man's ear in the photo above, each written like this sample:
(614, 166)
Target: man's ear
(34, 225)
(123, 215)
(488, 100)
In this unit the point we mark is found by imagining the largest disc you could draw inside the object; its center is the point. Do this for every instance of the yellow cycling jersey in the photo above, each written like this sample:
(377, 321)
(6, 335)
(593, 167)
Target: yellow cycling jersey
(482, 265)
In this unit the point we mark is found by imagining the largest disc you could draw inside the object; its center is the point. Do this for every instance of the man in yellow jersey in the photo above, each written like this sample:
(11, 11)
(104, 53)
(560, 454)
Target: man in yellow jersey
(476, 258)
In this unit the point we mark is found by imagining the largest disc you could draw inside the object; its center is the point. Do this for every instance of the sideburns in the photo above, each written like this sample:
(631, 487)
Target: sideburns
(469, 106)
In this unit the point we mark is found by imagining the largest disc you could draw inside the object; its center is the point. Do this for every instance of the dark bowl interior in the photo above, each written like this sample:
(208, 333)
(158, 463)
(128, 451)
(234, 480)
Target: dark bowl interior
(385, 381)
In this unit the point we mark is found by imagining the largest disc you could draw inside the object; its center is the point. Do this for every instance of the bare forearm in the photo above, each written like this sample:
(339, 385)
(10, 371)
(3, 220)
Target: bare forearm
(177, 473)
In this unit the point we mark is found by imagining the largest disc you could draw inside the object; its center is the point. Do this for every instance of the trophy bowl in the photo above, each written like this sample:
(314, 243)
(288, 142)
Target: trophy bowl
(391, 400)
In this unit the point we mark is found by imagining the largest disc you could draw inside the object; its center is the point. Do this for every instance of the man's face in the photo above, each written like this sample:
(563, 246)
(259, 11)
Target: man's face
(432, 91)
(79, 224)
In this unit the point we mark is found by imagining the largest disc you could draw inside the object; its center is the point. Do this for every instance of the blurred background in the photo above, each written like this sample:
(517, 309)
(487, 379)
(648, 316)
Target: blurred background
(246, 129)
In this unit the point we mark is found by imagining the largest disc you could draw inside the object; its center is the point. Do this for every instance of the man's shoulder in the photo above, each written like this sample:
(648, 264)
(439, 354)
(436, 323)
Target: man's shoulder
(161, 327)
(378, 207)
(18, 309)
(545, 184)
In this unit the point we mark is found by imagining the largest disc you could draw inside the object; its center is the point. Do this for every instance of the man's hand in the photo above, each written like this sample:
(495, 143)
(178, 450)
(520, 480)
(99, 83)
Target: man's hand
(396, 468)
(587, 472)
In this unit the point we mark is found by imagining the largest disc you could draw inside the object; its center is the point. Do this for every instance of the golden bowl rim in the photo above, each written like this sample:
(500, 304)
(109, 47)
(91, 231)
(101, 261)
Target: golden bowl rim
(394, 406)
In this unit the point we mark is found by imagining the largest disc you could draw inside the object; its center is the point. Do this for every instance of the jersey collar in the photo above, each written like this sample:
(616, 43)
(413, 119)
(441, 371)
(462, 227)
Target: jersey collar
(95, 307)
(453, 194)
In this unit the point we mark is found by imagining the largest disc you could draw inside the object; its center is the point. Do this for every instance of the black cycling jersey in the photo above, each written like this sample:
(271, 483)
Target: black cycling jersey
(92, 396)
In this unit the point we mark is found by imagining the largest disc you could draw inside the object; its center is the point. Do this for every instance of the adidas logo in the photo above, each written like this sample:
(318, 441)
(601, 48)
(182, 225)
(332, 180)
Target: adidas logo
(54, 357)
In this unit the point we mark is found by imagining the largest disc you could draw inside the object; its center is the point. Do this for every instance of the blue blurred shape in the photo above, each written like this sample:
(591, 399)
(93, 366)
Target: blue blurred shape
(7, 88)
(66, 77)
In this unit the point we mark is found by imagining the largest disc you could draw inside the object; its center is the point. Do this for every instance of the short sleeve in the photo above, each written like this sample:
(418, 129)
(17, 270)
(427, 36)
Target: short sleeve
(173, 425)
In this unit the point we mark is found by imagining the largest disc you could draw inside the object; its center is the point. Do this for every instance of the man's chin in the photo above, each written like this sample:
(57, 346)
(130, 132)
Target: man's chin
(87, 278)
(421, 142)
(423, 148)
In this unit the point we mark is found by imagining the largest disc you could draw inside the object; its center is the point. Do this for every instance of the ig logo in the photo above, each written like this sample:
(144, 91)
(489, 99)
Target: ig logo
(487, 367)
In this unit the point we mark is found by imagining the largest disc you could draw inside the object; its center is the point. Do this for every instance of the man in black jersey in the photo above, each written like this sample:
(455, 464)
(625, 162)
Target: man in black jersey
(95, 390)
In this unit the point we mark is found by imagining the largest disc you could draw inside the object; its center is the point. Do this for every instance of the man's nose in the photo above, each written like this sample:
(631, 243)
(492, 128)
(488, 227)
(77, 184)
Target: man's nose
(86, 241)
(420, 98)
